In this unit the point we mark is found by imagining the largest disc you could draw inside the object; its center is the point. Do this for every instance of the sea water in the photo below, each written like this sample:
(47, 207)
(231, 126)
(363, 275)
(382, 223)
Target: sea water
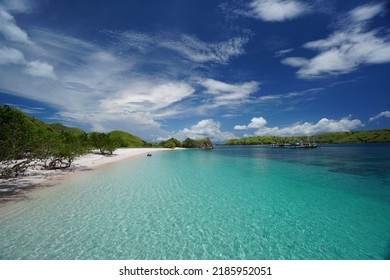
(241, 202)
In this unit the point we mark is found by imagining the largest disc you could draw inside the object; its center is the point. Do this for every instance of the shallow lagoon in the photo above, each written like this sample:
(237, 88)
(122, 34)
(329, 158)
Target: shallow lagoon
(240, 202)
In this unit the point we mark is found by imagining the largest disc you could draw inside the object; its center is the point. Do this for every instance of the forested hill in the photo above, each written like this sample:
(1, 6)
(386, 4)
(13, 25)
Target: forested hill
(369, 136)
(25, 140)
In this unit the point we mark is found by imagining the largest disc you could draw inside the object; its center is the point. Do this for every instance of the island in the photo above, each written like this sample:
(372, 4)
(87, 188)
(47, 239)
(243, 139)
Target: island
(369, 136)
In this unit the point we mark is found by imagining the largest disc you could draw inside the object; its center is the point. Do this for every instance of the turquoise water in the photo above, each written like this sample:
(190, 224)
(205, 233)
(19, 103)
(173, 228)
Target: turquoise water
(249, 202)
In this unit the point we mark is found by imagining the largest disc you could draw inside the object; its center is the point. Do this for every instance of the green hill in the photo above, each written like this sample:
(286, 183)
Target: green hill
(59, 127)
(11, 118)
(369, 136)
(126, 140)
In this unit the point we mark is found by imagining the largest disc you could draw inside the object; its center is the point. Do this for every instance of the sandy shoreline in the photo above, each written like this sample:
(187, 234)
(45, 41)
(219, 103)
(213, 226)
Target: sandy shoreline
(16, 188)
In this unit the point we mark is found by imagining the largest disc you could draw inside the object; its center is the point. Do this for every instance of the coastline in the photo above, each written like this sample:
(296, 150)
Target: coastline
(34, 178)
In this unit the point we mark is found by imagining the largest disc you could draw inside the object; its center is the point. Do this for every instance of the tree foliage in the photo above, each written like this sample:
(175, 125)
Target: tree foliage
(17, 138)
(102, 142)
(25, 141)
(189, 143)
(17, 142)
(58, 150)
(170, 143)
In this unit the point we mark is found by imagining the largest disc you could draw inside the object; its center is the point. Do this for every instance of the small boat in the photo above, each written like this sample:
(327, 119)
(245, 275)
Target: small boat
(305, 145)
(149, 155)
(296, 145)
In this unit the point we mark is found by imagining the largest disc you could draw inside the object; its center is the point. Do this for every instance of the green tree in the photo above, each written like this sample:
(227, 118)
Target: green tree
(189, 143)
(170, 143)
(17, 142)
(102, 142)
(60, 149)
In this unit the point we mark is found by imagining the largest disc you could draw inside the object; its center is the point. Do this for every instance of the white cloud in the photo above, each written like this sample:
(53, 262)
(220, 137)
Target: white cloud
(298, 129)
(256, 123)
(344, 52)
(148, 96)
(10, 30)
(277, 10)
(189, 47)
(240, 127)
(204, 128)
(11, 56)
(384, 114)
(19, 6)
(16, 35)
(346, 49)
(41, 69)
(33, 68)
(281, 53)
(225, 94)
(295, 61)
(365, 12)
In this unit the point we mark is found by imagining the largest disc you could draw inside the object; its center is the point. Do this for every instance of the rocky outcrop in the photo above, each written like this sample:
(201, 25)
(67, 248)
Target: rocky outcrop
(204, 143)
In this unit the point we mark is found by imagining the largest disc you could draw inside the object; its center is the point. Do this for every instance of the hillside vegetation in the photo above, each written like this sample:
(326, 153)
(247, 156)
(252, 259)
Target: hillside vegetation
(26, 141)
(62, 128)
(124, 139)
(369, 136)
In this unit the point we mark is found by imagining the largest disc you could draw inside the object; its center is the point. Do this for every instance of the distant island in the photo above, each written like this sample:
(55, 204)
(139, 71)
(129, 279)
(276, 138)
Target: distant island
(25, 140)
(369, 136)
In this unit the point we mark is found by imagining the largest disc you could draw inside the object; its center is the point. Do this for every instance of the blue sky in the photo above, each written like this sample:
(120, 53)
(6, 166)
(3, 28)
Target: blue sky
(189, 68)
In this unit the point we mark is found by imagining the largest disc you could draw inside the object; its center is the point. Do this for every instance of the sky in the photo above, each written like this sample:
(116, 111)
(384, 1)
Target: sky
(189, 68)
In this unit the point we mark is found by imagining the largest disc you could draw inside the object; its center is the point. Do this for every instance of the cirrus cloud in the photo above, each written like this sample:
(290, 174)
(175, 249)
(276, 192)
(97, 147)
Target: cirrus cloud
(346, 49)
(148, 96)
(188, 46)
(225, 94)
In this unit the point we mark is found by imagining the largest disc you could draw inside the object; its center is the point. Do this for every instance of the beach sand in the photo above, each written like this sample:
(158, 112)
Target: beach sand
(16, 188)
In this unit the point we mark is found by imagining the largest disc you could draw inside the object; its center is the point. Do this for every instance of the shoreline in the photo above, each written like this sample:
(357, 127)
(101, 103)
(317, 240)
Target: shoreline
(34, 178)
